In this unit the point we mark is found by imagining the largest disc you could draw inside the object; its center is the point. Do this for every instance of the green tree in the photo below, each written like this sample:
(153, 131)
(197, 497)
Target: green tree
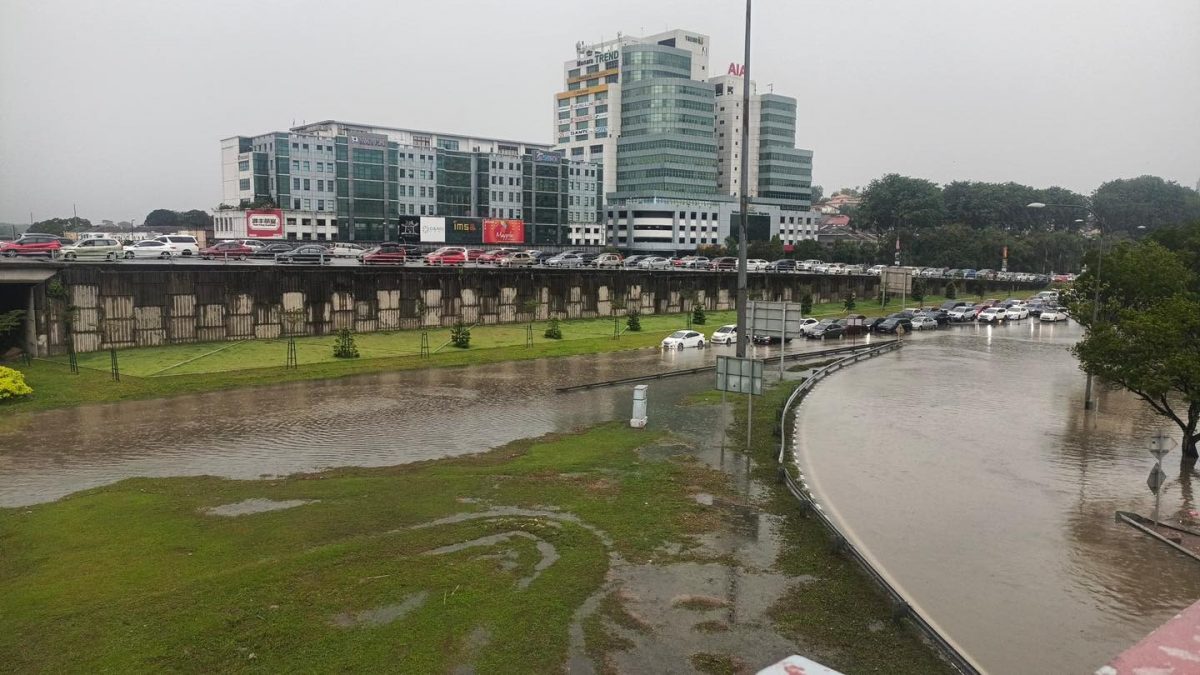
(460, 335)
(765, 250)
(1149, 201)
(634, 321)
(195, 219)
(807, 249)
(896, 201)
(918, 290)
(343, 346)
(818, 194)
(1145, 336)
(950, 290)
(161, 218)
(848, 302)
(806, 301)
(60, 226)
(553, 330)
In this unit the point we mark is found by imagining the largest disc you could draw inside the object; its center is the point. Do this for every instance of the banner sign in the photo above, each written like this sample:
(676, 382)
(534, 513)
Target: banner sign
(264, 223)
(464, 230)
(433, 229)
(504, 232)
(543, 156)
(743, 376)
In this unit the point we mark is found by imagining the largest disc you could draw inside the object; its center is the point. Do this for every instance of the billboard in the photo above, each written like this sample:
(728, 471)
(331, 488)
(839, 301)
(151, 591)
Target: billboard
(503, 231)
(463, 230)
(545, 156)
(742, 376)
(768, 318)
(433, 229)
(266, 223)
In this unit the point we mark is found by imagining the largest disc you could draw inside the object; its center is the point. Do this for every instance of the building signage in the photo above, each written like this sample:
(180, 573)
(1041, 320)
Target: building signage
(736, 69)
(503, 231)
(547, 157)
(693, 38)
(374, 140)
(464, 231)
(264, 223)
(433, 229)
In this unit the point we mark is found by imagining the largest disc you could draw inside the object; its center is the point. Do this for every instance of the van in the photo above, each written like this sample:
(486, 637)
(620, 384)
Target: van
(180, 244)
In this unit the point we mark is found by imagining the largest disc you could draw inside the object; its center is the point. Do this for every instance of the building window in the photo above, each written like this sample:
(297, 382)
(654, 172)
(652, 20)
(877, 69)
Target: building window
(244, 184)
(320, 204)
(295, 183)
(306, 184)
(307, 204)
(295, 146)
(295, 165)
(244, 165)
(296, 204)
(304, 146)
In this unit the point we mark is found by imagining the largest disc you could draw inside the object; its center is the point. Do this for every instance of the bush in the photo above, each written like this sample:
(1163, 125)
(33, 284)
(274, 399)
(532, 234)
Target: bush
(553, 331)
(634, 322)
(918, 290)
(806, 302)
(848, 302)
(344, 347)
(698, 317)
(950, 290)
(12, 384)
(460, 335)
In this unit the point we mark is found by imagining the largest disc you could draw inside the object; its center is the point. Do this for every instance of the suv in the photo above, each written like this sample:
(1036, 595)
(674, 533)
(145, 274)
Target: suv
(607, 260)
(95, 247)
(180, 244)
(32, 244)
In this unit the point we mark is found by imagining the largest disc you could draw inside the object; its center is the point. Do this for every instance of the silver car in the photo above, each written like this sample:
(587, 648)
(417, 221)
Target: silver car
(97, 248)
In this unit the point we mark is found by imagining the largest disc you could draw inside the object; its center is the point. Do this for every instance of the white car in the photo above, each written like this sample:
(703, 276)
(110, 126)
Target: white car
(725, 335)
(682, 339)
(565, 260)
(810, 265)
(756, 265)
(253, 243)
(807, 325)
(1053, 314)
(151, 248)
(654, 263)
(966, 313)
(923, 322)
(180, 244)
(992, 315)
(344, 250)
(876, 270)
(1017, 312)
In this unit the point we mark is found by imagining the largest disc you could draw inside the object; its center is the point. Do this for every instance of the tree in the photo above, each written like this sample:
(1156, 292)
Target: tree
(1146, 337)
(766, 250)
(818, 194)
(895, 201)
(195, 219)
(161, 218)
(60, 226)
(1125, 204)
(807, 249)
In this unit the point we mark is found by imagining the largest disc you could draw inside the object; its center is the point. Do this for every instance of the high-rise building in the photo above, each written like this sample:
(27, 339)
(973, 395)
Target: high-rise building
(373, 183)
(669, 138)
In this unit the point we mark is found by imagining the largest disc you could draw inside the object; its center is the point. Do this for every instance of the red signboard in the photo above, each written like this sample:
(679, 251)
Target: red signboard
(266, 223)
(504, 232)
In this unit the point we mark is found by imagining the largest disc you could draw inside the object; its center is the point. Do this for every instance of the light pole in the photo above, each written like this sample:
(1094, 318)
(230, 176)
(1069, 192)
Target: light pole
(1088, 404)
(743, 330)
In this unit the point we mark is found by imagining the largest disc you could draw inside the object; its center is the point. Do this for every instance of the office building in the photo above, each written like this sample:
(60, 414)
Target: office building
(369, 183)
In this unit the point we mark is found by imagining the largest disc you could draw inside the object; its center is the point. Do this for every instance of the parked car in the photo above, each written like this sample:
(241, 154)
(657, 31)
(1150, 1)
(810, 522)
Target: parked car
(387, 253)
(808, 325)
(725, 335)
(722, 264)
(827, 331)
(756, 265)
(446, 255)
(895, 325)
(992, 315)
(942, 318)
(1053, 314)
(654, 262)
(272, 250)
(810, 265)
(633, 260)
(254, 243)
(682, 339)
(872, 325)
(308, 253)
(565, 260)
(783, 265)
(951, 305)
(32, 244)
(150, 248)
(181, 244)
(492, 256)
(923, 322)
(607, 260)
(965, 313)
(688, 261)
(1016, 313)
(767, 339)
(589, 259)
(876, 270)
(226, 250)
(516, 259)
(108, 249)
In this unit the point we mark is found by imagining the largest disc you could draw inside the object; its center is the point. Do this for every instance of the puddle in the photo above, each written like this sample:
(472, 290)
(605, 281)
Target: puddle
(380, 616)
(475, 641)
(248, 506)
(546, 549)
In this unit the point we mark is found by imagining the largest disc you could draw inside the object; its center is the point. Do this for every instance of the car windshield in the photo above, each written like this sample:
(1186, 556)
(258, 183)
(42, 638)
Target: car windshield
(679, 334)
(725, 329)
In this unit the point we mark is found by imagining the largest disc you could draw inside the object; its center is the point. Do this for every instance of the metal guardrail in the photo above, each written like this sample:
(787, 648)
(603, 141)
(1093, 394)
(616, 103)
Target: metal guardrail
(902, 608)
(794, 356)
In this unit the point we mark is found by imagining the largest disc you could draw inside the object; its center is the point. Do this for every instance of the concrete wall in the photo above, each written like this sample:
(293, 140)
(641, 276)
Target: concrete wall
(151, 305)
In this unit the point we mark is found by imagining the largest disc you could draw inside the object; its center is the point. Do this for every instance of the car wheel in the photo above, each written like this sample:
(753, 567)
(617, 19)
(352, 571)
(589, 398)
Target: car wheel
(164, 254)
(186, 252)
(69, 256)
(110, 256)
(129, 255)
(701, 345)
(680, 347)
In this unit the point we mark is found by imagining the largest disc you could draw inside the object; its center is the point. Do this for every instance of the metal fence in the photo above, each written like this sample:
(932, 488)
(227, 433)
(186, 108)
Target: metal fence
(796, 484)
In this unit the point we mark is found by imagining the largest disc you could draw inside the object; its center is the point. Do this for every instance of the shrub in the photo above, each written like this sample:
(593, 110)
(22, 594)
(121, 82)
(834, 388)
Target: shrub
(12, 384)
(950, 290)
(344, 347)
(806, 302)
(634, 322)
(698, 317)
(460, 335)
(553, 331)
(918, 290)
(848, 302)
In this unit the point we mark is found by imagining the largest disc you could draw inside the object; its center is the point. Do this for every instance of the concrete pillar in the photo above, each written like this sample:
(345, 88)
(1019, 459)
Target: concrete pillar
(31, 326)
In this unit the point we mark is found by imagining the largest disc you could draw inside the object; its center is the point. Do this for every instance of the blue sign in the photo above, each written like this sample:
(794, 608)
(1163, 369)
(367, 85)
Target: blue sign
(549, 157)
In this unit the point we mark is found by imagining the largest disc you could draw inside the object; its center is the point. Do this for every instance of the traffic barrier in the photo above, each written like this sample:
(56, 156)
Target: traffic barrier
(902, 608)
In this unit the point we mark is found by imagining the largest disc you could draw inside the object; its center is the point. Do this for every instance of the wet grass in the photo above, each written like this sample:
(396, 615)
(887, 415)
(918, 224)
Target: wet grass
(136, 577)
(842, 616)
(717, 664)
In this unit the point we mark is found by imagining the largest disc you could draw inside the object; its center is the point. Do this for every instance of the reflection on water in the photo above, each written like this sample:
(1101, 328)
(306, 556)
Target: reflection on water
(966, 465)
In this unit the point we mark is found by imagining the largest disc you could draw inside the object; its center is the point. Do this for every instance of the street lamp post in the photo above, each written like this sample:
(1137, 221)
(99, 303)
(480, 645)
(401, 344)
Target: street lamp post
(1088, 403)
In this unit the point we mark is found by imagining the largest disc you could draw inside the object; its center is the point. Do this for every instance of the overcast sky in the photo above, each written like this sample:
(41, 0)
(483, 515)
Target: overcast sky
(119, 106)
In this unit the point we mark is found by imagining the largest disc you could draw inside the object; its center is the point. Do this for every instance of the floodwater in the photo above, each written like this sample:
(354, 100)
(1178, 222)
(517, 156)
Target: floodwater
(966, 466)
(373, 420)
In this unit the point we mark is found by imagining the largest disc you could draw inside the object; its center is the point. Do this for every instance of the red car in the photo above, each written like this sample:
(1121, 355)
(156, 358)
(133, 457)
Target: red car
(493, 256)
(447, 255)
(473, 254)
(32, 244)
(227, 249)
(386, 254)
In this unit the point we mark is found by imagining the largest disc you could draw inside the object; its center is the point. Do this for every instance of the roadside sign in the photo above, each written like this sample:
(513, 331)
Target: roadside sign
(774, 319)
(1156, 478)
(742, 376)
(1161, 444)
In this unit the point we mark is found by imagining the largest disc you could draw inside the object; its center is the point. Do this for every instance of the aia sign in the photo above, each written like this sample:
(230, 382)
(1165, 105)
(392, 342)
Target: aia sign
(736, 69)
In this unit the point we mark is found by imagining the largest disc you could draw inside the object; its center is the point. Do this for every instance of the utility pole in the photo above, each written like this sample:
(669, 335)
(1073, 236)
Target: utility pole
(743, 330)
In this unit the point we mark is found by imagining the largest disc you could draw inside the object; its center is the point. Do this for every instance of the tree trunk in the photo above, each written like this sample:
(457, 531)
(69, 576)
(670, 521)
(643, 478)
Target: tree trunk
(1190, 444)
(1190, 438)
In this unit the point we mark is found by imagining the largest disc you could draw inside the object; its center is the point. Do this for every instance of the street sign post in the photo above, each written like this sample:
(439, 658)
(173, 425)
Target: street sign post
(740, 376)
(1160, 445)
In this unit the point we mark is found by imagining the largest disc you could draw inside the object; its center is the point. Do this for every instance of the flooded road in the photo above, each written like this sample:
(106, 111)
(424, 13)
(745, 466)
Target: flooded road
(375, 420)
(966, 466)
